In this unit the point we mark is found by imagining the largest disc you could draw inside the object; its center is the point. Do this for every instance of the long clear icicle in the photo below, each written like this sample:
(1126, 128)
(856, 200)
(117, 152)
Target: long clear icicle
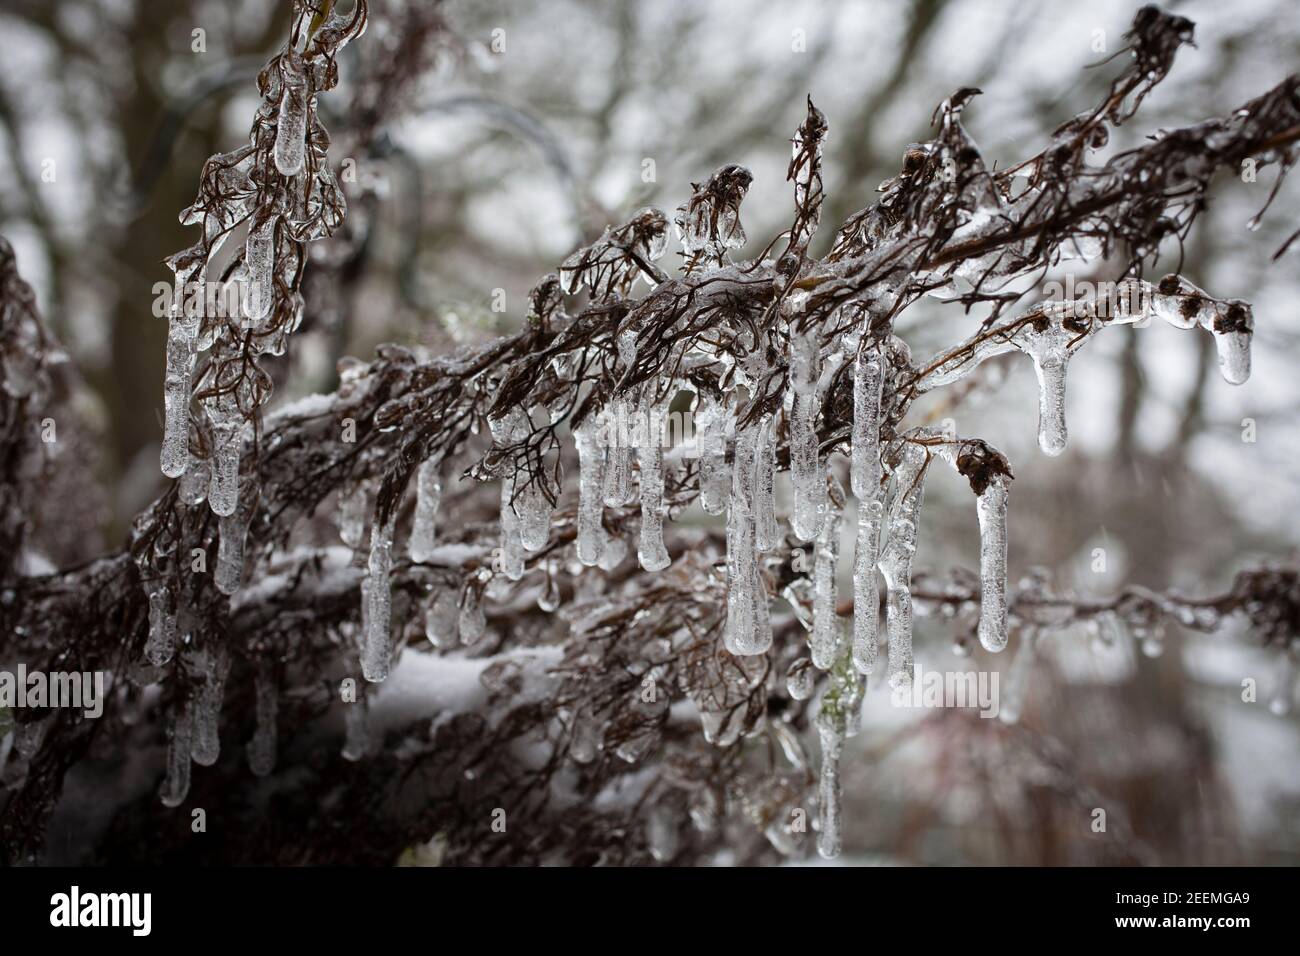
(428, 497)
(711, 420)
(829, 789)
(377, 649)
(748, 628)
(618, 489)
(591, 481)
(651, 550)
(868, 381)
(182, 332)
(866, 585)
(767, 534)
(896, 562)
(991, 507)
(826, 635)
(227, 439)
(161, 643)
(232, 531)
(807, 472)
(291, 126)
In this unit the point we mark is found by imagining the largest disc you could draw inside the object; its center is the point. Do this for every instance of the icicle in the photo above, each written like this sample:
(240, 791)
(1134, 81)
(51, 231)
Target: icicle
(1022, 668)
(991, 507)
(176, 785)
(807, 472)
(233, 532)
(866, 586)
(377, 648)
(826, 635)
(711, 420)
(356, 729)
(175, 457)
(259, 266)
(618, 470)
(223, 486)
(472, 621)
(1233, 348)
(261, 749)
(591, 475)
(829, 788)
(428, 496)
(161, 643)
(512, 545)
(651, 550)
(868, 381)
(748, 629)
(291, 127)
(767, 535)
(1052, 433)
(205, 706)
(896, 562)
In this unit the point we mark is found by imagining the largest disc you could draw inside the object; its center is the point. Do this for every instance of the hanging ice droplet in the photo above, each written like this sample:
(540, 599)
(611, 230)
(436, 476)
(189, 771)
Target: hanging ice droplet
(176, 784)
(377, 649)
(591, 478)
(548, 599)
(651, 550)
(866, 586)
(534, 518)
(261, 749)
(826, 635)
(991, 507)
(1234, 355)
(868, 381)
(801, 679)
(428, 497)
(291, 127)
